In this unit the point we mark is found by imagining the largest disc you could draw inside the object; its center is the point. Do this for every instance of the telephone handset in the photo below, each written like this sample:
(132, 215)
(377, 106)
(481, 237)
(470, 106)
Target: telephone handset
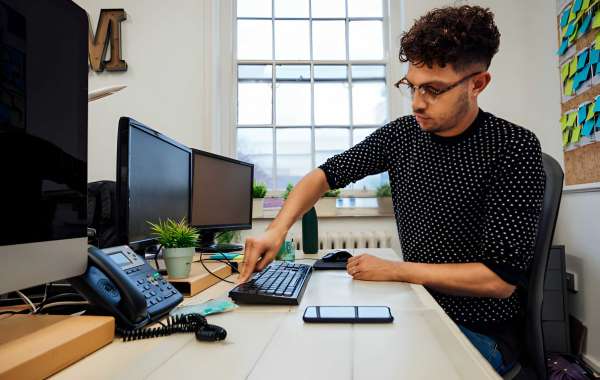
(123, 284)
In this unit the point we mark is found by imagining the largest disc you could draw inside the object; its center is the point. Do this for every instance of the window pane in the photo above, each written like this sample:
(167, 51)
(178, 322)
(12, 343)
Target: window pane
(369, 103)
(293, 72)
(332, 104)
(254, 8)
(366, 39)
(292, 103)
(371, 182)
(368, 72)
(365, 8)
(292, 39)
(329, 142)
(254, 103)
(331, 72)
(329, 39)
(291, 8)
(255, 145)
(328, 8)
(360, 134)
(254, 71)
(254, 39)
(293, 155)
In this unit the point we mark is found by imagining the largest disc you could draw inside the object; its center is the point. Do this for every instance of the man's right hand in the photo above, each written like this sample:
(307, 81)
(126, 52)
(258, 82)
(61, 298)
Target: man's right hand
(260, 251)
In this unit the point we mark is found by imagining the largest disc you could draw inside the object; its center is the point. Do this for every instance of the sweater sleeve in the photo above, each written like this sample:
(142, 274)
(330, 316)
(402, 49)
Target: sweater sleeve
(365, 158)
(512, 209)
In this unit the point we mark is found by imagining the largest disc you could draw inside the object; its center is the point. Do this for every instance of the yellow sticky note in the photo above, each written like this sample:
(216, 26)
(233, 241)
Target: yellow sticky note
(566, 137)
(574, 35)
(563, 122)
(573, 67)
(564, 72)
(572, 15)
(596, 20)
(590, 113)
(576, 134)
(569, 87)
(585, 5)
(571, 118)
(597, 42)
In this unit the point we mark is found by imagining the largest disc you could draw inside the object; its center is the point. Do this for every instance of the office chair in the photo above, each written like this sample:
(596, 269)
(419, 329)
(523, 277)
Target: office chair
(534, 339)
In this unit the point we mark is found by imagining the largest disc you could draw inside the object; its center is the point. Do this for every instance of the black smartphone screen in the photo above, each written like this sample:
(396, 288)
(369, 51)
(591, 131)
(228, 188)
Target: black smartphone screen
(348, 314)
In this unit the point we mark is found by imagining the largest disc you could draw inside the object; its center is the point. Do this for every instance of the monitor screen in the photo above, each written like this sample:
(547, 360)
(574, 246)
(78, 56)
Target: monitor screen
(153, 180)
(221, 192)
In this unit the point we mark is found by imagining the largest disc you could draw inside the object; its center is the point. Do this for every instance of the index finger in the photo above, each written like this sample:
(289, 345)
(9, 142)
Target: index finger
(250, 259)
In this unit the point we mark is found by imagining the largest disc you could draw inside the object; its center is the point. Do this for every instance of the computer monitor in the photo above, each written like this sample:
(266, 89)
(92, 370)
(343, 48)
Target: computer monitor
(153, 182)
(43, 142)
(221, 198)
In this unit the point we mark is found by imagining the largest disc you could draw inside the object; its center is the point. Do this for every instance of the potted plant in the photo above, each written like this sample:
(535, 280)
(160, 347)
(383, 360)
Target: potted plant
(287, 191)
(384, 199)
(178, 241)
(326, 205)
(259, 190)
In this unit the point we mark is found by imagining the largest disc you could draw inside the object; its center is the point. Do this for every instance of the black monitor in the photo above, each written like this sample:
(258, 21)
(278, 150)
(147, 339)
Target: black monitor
(221, 198)
(43, 142)
(153, 182)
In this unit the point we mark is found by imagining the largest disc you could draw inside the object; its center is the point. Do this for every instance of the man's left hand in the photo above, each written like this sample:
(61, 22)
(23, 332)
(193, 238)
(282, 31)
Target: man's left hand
(371, 268)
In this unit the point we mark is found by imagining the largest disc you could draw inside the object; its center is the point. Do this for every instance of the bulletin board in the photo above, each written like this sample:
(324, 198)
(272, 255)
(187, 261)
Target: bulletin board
(579, 67)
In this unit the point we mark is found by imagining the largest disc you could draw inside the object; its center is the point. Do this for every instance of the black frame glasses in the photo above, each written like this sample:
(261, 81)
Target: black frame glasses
(427, 91)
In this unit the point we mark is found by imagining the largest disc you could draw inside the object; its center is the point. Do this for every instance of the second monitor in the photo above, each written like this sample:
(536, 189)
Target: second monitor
(221, 198)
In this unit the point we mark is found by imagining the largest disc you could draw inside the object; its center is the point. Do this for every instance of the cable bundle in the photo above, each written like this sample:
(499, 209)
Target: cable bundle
(178, 324)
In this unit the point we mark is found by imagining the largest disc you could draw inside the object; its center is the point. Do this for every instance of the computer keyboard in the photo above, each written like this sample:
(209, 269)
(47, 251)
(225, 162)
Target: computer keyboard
(280, 283)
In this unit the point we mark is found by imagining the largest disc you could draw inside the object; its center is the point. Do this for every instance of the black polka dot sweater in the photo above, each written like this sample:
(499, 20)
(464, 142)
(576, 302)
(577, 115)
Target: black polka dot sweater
(475, 197)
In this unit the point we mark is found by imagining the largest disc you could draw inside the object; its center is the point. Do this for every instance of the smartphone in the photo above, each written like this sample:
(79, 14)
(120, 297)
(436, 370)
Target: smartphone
(347, 314)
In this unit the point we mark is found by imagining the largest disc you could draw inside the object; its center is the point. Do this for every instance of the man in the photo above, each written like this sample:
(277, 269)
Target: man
(467, 186)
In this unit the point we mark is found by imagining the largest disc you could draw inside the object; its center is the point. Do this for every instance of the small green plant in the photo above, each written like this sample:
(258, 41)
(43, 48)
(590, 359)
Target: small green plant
(384, 191)
(259, 190)
(227, 237)
(332, 193)
(172, 234)
(288, 190)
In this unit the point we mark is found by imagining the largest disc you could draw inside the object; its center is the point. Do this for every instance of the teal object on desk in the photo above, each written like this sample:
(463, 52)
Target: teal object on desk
(221, 256)
(310, 232)
(287, 252)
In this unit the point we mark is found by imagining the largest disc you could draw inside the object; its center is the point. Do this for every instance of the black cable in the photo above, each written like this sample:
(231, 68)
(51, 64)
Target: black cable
(56, 298)
(177, 324)
(209, 271)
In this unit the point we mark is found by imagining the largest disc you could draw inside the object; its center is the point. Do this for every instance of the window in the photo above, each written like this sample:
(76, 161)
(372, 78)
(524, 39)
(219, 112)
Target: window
(311, 82)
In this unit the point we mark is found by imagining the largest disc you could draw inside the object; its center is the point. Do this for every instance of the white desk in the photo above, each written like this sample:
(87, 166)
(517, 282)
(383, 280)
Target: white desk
(272, 342)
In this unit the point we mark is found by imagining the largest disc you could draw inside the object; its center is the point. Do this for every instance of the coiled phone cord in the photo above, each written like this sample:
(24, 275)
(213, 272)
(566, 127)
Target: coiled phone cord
(177, 324)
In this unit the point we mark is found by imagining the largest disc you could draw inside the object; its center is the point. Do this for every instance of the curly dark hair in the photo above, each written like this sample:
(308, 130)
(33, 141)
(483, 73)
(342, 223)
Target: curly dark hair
(459, 36)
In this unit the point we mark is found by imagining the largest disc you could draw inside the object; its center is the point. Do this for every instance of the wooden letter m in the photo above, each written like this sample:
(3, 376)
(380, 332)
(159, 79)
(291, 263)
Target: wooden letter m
(107, 31)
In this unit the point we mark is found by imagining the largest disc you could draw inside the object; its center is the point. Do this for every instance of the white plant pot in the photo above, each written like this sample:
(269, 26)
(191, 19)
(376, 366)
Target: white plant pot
(326, 207)
(257, 207)
(178, 261)
(385, 206)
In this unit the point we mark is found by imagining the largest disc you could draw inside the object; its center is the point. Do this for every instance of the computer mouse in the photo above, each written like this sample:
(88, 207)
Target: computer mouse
(339, 256)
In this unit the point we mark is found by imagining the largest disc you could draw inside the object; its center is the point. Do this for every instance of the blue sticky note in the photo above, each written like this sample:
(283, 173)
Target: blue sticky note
(565, 18)
(577, 6)
(597, 105)
(582, 59)
(598, 124)
(587, 128)
(594, 56)
(581, 114)
(221, 256)
(585, 24)
(570, 29)
(563, 47)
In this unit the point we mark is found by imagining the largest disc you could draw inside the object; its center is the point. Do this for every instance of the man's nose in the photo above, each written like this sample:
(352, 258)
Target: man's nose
(418, 104)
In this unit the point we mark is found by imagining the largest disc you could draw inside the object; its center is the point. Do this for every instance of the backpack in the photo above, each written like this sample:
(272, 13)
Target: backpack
(567, 367)
(102, 213)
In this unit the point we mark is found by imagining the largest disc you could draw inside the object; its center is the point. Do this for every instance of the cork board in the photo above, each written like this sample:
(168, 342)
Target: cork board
(582, 163)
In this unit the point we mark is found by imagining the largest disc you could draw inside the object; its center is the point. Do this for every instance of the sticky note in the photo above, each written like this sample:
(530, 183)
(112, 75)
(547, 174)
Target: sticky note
(594, 56)
(581, 114)
(564, 72)
(582, 59)
(573, 67)
(563, 122)
(577, 6)
(565, 139)
(572, 15)
(576, 134)
(570, 29)
(598, 124)
(596, 20)
(571, 119)
(569, 87)
(563, 47)
(564, 18)
(585, 5)
(587, 128)
(574, 35)
(590, 111)
(585, 24)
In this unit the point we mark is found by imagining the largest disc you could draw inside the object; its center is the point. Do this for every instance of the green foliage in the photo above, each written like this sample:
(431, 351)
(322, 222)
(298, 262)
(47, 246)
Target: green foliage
(384, 190)
(259, 190)
(171, 234)
(227, 237)
(332, 193)
(288, 190)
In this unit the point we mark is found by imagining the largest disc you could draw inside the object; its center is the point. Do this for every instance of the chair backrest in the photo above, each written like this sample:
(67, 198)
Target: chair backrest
(535, 290)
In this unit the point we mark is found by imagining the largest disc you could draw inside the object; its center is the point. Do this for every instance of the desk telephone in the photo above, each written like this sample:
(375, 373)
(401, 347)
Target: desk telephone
(123, 284)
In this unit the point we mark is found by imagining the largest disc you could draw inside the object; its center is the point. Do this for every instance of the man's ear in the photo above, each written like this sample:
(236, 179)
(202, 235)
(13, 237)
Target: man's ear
(480, 82)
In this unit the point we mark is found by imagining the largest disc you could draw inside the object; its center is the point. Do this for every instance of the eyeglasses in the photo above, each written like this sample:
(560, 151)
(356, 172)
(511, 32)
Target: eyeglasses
(428, 92)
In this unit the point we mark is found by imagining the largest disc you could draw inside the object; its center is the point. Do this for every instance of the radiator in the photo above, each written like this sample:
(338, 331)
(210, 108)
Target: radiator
(350, 240)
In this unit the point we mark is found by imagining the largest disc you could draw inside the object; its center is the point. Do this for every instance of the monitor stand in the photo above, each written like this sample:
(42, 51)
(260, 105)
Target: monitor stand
(207, 244)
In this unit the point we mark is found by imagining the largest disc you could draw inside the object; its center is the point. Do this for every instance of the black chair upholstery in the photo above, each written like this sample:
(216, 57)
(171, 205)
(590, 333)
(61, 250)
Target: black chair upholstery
(535, 289)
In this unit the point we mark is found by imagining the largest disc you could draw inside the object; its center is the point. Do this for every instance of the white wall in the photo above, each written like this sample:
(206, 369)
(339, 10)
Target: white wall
(525, 90)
